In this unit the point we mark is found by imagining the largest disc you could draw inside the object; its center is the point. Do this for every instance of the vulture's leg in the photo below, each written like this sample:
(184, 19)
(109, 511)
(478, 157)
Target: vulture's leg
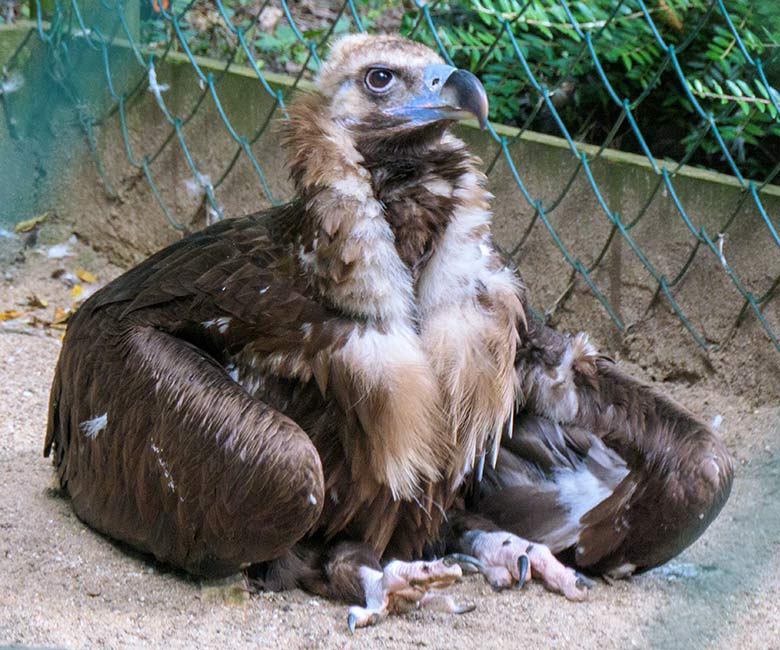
(403, 586)
(160, 449)
(509, 560)
(351, 572)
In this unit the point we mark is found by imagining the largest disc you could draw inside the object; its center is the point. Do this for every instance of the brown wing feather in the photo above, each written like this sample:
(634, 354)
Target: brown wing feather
(186, 465)
(660, 474)
(680, 478)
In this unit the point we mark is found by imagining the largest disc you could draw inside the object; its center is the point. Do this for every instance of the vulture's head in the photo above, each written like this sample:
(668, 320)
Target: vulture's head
(390, 83)
(371, 144)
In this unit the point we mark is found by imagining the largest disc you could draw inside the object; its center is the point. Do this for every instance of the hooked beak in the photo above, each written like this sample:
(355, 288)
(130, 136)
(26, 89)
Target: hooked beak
(448, 93)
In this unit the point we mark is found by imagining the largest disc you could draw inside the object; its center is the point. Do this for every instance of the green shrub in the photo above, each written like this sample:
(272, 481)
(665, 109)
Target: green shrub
(715, 70)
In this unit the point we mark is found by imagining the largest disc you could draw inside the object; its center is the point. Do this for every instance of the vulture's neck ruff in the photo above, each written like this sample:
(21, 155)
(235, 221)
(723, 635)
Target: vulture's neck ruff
(396, 236)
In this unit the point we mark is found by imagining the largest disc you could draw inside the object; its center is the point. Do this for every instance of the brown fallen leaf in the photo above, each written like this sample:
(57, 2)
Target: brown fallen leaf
(37, 321)
(86, 276)
(9, 314)
(36, 302)
(59, 320)
(61, 315)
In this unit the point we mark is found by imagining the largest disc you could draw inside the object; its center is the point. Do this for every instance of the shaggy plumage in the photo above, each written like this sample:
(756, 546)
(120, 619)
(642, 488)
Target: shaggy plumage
(311, 390)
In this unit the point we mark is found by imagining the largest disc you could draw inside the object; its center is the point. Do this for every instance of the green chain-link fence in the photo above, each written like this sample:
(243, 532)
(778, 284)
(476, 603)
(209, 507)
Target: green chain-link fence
(133, 37)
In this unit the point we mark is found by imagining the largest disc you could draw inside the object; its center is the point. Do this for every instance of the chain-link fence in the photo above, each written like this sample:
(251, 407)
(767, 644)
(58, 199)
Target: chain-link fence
(734, 110)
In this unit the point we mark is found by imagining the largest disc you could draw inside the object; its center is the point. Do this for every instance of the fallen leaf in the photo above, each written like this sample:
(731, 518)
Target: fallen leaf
(9, 314)
(37, 321)
(75, 292)
(35, 302)
(58, 322)
(61, 315)
(28, 224)
(86, 276)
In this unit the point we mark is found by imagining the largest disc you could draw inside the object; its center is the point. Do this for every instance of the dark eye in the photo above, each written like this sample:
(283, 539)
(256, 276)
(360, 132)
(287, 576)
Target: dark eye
(378, 79)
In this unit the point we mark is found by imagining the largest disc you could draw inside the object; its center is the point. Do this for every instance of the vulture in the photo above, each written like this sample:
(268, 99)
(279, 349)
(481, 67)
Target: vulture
(348, 393)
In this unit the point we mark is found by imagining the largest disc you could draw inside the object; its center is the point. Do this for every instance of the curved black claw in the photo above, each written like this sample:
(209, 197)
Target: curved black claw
(351, 622)
(467, 563)
(583, 582)
(522, 569)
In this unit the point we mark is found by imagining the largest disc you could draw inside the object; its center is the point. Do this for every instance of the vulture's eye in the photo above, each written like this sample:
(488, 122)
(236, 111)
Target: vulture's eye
(378, 79)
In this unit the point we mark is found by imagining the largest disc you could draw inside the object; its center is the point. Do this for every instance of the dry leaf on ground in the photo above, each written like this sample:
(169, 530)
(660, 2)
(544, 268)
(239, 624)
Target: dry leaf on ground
(36, 302)
(86, 276)
(28, 224)
(10, 314)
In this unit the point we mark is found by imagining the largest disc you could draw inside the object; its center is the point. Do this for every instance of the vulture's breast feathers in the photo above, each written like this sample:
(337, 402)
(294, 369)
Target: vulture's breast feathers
(394, 238)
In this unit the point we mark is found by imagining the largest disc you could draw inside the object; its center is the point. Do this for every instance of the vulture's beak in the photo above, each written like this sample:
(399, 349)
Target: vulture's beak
(448, 93)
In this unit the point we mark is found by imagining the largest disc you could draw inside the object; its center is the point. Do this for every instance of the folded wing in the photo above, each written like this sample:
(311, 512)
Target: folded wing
(601, 466)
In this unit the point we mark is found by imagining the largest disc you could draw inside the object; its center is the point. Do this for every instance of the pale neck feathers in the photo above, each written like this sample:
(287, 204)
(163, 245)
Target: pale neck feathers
(430, 374)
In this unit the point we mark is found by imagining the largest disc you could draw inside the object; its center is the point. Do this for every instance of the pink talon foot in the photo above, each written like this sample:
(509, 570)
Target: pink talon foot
(511, 560)
(403, 586)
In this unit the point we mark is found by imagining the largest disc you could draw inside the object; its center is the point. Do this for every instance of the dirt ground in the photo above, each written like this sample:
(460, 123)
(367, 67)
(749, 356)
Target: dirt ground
(64, 586)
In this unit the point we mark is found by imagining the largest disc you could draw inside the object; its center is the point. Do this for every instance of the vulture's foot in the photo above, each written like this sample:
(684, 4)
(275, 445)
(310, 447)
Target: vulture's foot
(508, 560)
(404, 586)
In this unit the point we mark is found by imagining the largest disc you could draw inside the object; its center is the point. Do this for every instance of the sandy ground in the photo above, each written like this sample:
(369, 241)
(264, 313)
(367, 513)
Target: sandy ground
(62, 585)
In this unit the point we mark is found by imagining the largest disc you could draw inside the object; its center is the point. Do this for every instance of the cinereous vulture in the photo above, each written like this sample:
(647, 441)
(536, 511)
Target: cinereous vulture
(335, 393)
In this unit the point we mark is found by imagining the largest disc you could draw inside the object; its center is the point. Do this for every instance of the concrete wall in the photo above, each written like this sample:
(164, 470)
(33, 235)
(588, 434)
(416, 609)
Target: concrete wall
(130, 225)
(27, 149)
